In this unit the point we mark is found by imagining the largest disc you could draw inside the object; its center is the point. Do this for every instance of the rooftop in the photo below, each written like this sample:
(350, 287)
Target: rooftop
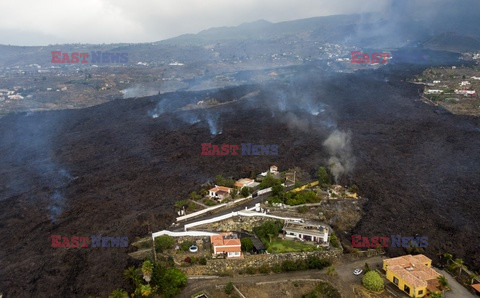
(413, 270)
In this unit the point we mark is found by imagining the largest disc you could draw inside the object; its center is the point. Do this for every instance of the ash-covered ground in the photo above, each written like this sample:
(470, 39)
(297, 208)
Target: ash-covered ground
(117, 169)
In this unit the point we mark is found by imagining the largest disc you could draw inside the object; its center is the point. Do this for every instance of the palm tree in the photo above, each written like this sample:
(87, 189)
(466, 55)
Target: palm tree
(436, 295)
(146, 290)
(461, 266)
(118, 293)
(473, 276)
(132, 274)
(442, 280)
(147, 269)
(448, 256)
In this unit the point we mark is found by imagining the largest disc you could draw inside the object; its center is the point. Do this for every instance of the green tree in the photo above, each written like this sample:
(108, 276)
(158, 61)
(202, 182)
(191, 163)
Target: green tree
(131, 273)
(473, 276)
(442, 280)
(353, 188)
(118, 293)
(436, 295)
(373, 281)
(234, 193)
(269, 181)
(268, 229)
(247, 244)
(334, 240)
(147, 269)
(245, 192)
(145, 290)
(331, 270)
(229, 288)
(460, 265)
(164, 242)
(277, 190)
(172, 282)
(195, 196)
(366, 268)
(324, 177)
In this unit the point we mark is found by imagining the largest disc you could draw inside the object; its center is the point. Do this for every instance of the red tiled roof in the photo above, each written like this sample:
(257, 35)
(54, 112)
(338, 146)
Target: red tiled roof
(221, 188)
(225, 245)
(476, 287)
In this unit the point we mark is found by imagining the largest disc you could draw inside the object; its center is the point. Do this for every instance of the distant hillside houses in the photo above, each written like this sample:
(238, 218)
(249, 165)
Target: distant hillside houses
(433, 91)
(466, 93)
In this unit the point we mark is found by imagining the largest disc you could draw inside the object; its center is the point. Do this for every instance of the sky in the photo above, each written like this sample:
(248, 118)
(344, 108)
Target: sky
(35, 22)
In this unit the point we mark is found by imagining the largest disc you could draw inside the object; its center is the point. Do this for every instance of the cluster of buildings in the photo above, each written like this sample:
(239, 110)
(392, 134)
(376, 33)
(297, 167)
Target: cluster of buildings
(10, 94)
(464, 90)
(228, 244)
(220, 193)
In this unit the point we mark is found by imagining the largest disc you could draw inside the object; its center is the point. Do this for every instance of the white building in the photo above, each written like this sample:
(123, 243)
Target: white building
(307, 231)
(464, 83)
(433, 91)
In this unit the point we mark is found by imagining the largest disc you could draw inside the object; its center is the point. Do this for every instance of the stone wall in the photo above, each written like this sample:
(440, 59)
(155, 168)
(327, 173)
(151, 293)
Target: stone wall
(222, 266)
(237, 223)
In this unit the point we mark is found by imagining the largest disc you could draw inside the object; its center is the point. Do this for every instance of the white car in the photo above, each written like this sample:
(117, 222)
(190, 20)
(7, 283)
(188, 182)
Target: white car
(357, 271)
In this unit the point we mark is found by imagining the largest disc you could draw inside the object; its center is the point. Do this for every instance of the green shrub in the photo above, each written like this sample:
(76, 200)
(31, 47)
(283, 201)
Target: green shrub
(250, 270)
(373, 281)
(264, 269)
(186, 245)
(314, 262)
(267, 229)
(202, 261)
(247, 244)
(277, 268)
(290, 265)
(303, 209)
(164, 242)
(229, 288)
(334, 240)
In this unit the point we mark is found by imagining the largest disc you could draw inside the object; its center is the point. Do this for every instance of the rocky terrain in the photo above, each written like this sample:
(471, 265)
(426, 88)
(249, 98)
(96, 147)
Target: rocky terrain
(116, 169)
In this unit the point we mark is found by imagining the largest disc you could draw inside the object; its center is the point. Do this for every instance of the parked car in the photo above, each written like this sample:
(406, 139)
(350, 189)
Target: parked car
(357, 271)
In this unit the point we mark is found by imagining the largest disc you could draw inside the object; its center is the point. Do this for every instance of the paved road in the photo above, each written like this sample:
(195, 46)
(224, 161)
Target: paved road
(197, 285)
(457, 289)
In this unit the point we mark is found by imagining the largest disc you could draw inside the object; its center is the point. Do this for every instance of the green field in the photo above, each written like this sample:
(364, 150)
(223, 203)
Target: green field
(283, 246)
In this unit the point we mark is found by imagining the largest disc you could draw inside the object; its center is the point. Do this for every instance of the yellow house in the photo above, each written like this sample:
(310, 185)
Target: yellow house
(412, 274)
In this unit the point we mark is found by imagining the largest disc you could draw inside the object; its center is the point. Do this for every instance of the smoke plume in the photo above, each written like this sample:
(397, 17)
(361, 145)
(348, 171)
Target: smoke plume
(341, 160)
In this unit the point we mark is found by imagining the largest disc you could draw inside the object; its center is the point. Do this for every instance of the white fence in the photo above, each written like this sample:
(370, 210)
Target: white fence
(264, 191)
(182, 234)
(195, 214)
(239, 213)
(191, 215)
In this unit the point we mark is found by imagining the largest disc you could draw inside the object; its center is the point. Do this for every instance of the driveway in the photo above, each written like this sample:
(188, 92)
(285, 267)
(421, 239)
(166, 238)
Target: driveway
(457, 289)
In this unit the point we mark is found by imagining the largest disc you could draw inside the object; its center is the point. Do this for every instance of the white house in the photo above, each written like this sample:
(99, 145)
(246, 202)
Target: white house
(219, 192)
(437, 82)
(433, 91)
(307, 230)
(464, 83)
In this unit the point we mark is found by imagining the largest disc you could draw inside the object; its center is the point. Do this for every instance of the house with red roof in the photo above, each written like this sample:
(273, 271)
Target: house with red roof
(226, 244)
(219, 192)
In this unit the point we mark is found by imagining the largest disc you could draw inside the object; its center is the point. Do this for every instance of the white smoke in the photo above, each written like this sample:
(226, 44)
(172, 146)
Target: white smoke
(139, 91)
(341, 159)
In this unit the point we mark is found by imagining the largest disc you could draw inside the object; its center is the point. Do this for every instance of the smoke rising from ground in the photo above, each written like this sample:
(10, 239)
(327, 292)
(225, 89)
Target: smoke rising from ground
(341, 160)
(139, 91)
